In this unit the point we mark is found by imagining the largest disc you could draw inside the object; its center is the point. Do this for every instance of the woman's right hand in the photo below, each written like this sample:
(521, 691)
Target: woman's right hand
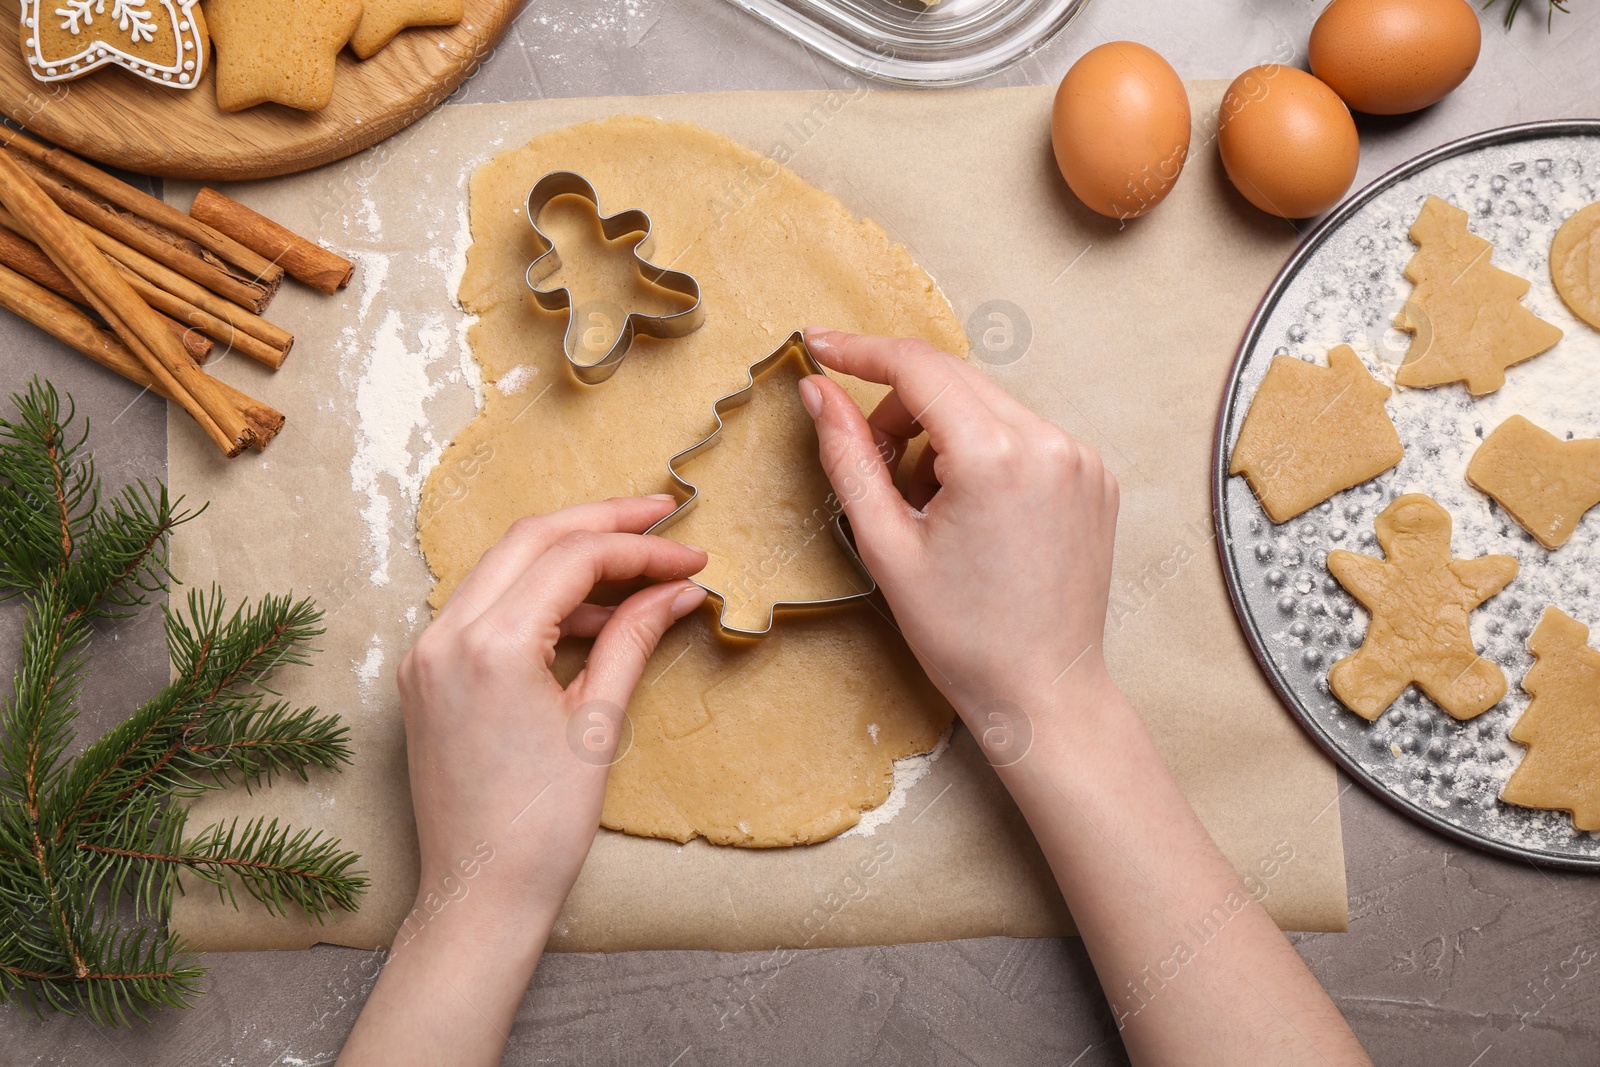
(997, 561)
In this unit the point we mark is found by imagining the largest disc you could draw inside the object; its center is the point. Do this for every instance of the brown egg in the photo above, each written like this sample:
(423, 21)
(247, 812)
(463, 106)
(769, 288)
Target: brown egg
(1120, 129)
(1288, 142)
(1387, 57)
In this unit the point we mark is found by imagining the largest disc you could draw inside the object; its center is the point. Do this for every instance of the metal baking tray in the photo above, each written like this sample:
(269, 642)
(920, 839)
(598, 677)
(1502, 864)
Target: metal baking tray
(1343, 285)
(907, 43)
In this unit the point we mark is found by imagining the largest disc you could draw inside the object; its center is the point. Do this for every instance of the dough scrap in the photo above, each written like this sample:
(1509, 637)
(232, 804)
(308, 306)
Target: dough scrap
(798, 558)
(1561, 726)
(384, 19)
(1420, 599)
(1575, 264)
(1314, 431)
(1543, 482)
(756, 743)
(283, 51)
(1465, 312)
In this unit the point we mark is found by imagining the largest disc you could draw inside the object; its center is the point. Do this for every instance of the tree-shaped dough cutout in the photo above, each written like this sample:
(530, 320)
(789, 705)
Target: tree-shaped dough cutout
(764, 511)
(1562, 724)
(1466, 313)
(1314, 431)
(1420, 598)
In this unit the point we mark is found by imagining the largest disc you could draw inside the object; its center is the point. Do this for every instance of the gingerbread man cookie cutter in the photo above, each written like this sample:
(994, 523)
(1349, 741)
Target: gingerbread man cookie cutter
(793, 346)
(674, 324)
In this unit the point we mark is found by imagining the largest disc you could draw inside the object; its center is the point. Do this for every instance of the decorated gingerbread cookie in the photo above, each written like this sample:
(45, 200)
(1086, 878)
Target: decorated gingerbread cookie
(383, 19)
(282, 51)
(1545, 483)
(1420, 598)
(1466, 313)
(1314, 431)
(1562, 724)
(163, 41)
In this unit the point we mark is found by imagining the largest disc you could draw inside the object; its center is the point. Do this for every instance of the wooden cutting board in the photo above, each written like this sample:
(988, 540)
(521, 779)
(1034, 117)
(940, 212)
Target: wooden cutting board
(127, 122)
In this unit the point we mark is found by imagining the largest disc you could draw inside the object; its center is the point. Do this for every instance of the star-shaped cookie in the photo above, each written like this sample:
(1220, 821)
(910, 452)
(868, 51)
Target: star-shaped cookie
(1314, 431)
(1545, 483)
(383, 19)
(282, 52)
(1466, 313)
(1420, 598)
(1562, 725)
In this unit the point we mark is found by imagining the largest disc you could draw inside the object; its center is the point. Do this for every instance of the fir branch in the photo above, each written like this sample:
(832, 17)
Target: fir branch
(79, 839)
(277, 866)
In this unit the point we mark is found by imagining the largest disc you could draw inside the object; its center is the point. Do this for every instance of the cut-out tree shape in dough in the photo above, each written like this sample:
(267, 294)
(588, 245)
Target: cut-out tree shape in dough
(1466, 313)
(1420, 598)
(765, 510)
(1545, 483)
(1562, 725)
(1314, 431)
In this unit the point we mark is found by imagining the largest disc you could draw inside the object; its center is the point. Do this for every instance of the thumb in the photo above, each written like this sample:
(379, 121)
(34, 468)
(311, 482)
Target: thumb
(626, 641)
(860, 477)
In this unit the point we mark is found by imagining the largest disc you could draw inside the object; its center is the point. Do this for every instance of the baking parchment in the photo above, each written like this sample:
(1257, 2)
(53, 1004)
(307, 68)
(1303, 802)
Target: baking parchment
(1121, 333)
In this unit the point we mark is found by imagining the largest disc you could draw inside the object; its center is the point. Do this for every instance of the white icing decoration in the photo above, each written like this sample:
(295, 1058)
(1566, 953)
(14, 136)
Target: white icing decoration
(133, 23)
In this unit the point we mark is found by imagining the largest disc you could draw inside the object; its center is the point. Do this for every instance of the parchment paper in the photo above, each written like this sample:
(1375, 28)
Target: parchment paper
(1121, 333)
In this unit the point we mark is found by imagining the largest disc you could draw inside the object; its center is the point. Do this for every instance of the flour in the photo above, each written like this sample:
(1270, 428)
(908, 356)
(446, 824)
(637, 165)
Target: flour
(390, 402)
(907, 773)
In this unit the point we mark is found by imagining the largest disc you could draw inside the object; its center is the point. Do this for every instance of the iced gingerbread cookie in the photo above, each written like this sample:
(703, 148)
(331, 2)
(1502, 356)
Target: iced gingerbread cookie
(1562, 725)
(1420, 598)
(1466, 313)
(282, 52)
(1545, 483)
(1314, 431)
(163, 41)
(383, 19)
(1575, 264)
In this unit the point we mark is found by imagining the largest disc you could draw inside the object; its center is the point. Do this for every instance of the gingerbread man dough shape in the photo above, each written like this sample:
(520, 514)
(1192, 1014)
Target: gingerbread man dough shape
(1420, 598)
(1562, 725)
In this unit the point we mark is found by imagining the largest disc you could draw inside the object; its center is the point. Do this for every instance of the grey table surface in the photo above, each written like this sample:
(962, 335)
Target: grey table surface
(1453, 957)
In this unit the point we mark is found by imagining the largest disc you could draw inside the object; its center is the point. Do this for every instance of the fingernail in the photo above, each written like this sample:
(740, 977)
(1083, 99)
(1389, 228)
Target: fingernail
(687, 601)
(661, 496)
(811, 397)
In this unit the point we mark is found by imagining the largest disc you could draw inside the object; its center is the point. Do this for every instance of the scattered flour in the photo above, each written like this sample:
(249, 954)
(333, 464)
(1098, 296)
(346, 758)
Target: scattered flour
(368, 670)
(907, 773)
(516, 379)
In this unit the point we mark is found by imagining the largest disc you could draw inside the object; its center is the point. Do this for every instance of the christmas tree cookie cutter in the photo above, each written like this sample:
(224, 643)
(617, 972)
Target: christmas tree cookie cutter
(793, 347)
(675, 324)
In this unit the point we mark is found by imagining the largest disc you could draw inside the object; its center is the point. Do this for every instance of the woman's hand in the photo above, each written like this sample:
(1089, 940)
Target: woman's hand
(997, 561)
(997, 564)
(508, 769)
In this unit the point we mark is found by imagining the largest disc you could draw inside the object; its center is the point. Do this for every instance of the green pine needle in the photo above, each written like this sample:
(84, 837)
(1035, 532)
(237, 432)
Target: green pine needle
(1513, 6)
(91, 848)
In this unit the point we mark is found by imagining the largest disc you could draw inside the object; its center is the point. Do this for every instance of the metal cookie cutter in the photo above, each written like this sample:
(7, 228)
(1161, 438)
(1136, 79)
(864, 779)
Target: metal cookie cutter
(794, 346)
(676, 324)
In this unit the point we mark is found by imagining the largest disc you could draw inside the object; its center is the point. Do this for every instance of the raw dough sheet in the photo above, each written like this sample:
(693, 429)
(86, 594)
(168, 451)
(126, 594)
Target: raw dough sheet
(1123, 336)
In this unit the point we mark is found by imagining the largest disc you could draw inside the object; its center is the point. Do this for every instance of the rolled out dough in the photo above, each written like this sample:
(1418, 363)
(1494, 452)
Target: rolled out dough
(777, 741)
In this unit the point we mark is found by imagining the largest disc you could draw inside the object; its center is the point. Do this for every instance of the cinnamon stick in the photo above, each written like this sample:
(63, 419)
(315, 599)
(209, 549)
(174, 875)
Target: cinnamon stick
(71, 326)
(24, 257)
(133, 321)
(324, 271)
(172, 293)
(170, 250)
(143, 204)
